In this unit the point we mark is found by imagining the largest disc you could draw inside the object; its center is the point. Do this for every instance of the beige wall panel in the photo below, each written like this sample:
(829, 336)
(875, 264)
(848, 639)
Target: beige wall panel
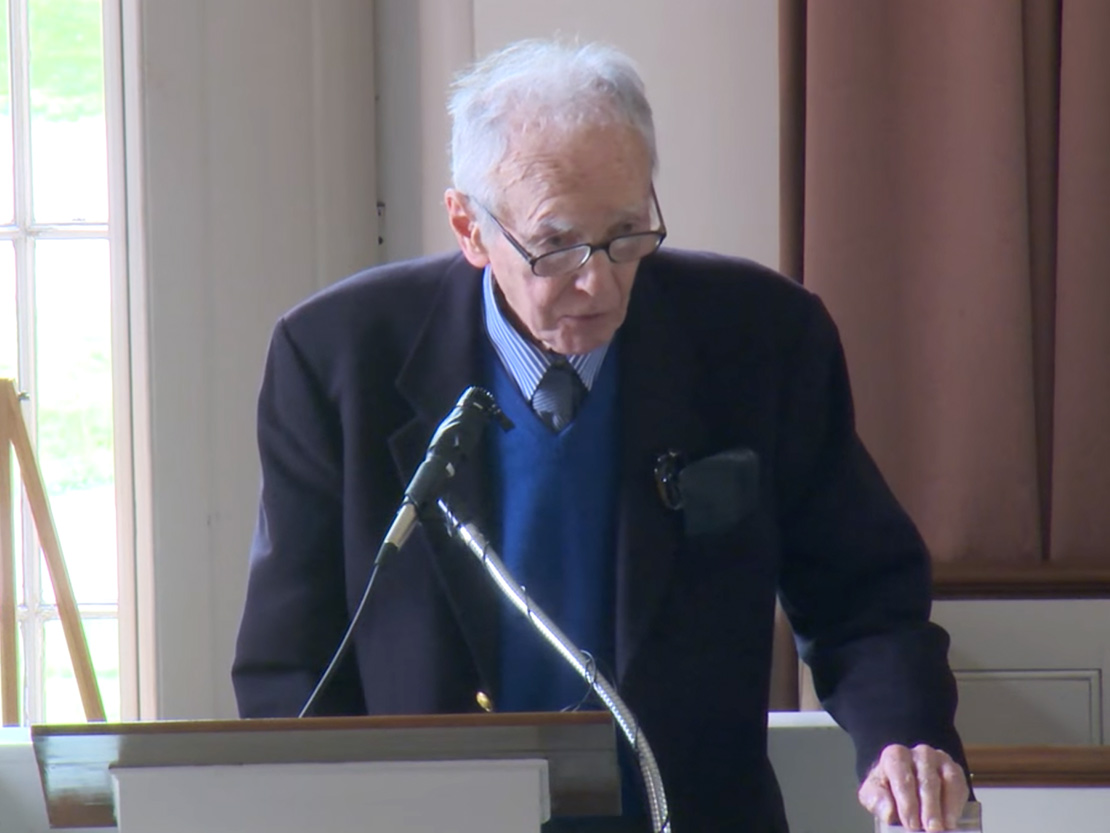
(1030, 707)
(711, 70)
(712, 75)
(254, 132)
(1030, 671)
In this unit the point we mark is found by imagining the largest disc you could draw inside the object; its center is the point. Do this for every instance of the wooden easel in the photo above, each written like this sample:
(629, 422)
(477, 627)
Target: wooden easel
(13, 432)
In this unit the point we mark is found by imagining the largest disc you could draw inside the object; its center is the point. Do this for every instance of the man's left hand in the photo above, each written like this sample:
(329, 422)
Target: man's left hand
(922, 788)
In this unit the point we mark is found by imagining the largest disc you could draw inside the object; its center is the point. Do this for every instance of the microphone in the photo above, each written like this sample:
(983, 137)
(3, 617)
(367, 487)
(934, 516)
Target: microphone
(713, 493)
(449, 447)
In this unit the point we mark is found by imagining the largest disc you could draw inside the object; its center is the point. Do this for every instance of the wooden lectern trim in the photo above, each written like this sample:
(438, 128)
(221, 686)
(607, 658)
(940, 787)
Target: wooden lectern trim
(75, 762)
(314, 724)
(1039, 766)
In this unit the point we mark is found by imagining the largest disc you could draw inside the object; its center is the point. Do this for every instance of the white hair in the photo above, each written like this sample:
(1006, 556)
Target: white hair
(544, 84)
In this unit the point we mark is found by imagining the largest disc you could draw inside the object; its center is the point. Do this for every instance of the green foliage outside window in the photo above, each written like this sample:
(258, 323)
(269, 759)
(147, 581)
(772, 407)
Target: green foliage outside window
(67, 59)
(75, 419)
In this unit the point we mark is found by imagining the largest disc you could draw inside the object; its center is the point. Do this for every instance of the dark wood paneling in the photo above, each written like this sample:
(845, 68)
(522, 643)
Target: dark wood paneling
(1039, 766)
(999, 581)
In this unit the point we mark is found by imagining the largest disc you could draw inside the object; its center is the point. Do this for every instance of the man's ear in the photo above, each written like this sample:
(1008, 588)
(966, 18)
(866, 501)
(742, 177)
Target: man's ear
(466, 228)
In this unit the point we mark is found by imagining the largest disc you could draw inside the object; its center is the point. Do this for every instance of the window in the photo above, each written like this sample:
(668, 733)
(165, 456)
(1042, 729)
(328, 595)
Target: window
(62, 286)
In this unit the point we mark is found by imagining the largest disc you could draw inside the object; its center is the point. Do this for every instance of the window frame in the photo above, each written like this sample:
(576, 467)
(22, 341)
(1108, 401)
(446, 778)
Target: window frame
(33, 613)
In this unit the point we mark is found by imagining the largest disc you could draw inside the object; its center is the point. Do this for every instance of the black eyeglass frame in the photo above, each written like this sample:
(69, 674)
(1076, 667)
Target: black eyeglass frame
(590, 248)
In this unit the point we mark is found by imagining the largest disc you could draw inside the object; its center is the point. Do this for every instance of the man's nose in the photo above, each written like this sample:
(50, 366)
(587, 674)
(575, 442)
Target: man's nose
(593, 275)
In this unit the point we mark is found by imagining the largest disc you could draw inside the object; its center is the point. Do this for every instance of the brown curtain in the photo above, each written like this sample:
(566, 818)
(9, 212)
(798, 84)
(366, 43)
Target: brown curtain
(946, 191)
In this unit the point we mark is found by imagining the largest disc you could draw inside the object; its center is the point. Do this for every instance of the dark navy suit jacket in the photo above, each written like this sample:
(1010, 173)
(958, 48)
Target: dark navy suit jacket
(716, 353)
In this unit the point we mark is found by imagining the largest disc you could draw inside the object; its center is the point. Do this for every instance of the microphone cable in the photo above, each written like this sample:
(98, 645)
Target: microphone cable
(387, 548)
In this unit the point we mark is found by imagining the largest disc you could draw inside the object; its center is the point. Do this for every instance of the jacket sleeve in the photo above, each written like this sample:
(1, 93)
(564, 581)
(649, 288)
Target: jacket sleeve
(855, 579)
(295, 611)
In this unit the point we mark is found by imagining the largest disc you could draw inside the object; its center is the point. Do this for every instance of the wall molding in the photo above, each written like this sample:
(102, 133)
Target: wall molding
(1021, 682)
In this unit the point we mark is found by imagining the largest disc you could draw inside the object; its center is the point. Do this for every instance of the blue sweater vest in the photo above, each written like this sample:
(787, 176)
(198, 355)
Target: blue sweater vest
(557, 495)
(556, 532)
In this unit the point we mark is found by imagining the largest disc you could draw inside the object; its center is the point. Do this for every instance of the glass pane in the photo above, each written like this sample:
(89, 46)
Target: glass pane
(9, 337)
(7, 189)
(63, 700)
(9, 363)
(21, 670)
(69, 155)
(74, 398)
(17, 531)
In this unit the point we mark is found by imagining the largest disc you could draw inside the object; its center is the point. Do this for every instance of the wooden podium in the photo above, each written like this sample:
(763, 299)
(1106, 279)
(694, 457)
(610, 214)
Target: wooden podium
(418, 774)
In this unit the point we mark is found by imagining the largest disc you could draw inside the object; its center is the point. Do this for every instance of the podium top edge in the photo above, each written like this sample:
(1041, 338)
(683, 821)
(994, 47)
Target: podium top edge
(292, 724)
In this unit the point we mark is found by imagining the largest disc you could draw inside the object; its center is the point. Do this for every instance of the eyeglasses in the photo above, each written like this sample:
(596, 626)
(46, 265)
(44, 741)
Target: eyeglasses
(562, 262)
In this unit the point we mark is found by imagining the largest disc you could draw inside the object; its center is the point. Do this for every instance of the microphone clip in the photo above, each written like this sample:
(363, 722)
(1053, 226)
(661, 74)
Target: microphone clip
(667, 468)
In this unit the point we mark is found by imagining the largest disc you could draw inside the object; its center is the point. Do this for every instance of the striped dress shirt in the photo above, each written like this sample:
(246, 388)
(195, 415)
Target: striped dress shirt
(525, 362)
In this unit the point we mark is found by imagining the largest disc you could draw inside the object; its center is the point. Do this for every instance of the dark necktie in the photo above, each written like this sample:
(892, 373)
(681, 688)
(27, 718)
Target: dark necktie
(559, 395)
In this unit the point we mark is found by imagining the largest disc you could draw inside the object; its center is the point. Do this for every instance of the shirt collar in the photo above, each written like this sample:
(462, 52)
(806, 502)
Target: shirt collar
(524, 361)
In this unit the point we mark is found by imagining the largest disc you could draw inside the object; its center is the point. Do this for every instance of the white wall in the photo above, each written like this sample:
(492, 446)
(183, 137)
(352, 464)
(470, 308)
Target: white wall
(420, 45)
(711, 70)
(256, 140)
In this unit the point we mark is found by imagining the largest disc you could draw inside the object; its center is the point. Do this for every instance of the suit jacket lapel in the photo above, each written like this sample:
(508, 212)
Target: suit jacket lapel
(446, 358)
(659, 386)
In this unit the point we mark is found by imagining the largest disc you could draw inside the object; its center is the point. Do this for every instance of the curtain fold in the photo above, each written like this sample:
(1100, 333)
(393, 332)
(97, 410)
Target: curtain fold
(948, 163)
(1042, 101)
(1081, 440)
(792, 135)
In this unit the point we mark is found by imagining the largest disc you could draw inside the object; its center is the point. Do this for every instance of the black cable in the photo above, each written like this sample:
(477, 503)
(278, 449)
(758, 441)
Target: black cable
(386, 550)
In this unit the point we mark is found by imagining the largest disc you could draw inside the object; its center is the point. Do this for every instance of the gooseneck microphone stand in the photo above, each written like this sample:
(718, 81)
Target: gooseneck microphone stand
(450, 447)
(583, 663)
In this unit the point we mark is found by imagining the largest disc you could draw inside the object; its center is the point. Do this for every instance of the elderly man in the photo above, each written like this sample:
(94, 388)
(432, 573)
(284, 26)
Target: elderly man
(606, 352)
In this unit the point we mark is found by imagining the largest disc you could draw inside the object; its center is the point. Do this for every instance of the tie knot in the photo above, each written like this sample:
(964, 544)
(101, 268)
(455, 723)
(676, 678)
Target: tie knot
(558, 395)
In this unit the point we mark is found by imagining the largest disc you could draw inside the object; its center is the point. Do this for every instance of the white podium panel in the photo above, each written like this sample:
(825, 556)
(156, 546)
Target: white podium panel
(970, 822)
(1045, 809)
(487, 796)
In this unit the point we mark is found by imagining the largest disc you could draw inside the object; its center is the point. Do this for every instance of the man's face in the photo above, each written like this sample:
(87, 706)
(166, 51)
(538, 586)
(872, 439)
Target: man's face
(583, 186)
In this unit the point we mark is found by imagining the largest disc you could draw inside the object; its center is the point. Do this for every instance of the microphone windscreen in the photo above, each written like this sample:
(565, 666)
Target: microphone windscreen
(719, 491)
